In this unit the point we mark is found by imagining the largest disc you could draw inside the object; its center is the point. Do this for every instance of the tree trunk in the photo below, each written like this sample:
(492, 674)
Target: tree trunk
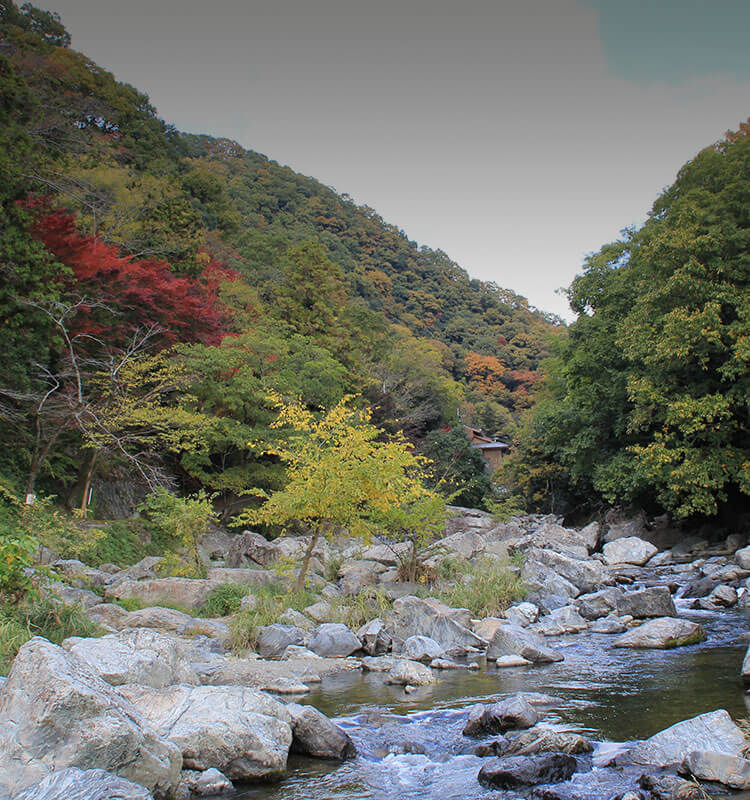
(87, 484)
(306, 562)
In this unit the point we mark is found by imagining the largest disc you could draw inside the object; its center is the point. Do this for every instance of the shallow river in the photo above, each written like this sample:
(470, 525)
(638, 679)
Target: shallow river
(410, 746)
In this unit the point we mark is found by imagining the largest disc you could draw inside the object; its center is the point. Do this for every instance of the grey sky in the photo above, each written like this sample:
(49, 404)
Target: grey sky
(515, 135)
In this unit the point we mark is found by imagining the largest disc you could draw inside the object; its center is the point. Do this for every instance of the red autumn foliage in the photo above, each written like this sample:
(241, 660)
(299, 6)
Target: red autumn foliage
(142, 292)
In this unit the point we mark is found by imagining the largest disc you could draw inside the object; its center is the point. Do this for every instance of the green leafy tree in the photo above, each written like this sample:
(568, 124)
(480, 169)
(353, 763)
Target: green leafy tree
(340, 474)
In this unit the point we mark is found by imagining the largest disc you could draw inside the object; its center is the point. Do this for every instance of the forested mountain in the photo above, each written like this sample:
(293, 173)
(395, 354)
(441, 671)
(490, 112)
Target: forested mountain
(157, 286)
(648, 399)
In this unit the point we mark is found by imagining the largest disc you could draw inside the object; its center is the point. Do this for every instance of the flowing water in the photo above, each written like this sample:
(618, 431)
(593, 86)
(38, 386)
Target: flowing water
(410, 746)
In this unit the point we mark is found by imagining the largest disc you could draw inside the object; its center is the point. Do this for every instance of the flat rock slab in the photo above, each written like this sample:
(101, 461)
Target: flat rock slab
(629, 550)
(662, 634)
(723, 768)
(90, 784)
(715, 732)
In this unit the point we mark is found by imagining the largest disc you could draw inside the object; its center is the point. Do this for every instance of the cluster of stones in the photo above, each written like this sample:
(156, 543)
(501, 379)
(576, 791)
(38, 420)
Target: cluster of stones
(157, 701)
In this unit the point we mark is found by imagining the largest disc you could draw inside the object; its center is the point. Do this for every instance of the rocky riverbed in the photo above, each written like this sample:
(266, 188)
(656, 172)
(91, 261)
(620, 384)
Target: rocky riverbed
(626, 632)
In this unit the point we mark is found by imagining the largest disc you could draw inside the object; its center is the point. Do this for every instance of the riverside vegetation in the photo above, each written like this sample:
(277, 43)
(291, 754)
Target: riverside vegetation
(234, 470)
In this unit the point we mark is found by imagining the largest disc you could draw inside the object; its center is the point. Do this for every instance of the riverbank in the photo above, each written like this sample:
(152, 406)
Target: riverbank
(579, 636)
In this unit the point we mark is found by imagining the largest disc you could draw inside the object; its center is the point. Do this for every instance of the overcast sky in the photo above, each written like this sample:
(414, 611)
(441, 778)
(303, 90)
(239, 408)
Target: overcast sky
(516, 135)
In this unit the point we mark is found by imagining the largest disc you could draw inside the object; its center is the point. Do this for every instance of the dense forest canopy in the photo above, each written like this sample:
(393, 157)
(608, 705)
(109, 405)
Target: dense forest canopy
(648, 398)
(158, 286)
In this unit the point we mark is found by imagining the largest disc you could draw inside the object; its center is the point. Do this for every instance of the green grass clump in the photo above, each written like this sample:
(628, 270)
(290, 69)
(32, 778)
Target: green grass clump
(39, 617)
(486, 591)
(357, 611)
(224, 600)
(272, 601)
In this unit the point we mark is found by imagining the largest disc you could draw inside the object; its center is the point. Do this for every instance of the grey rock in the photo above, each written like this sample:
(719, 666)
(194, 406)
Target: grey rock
(145, 568)
(742, 557)
(628, 550)
(90, 784)
(561, 621)
(209, 782)
(379, 663)
(296, 618)
(590, 535)
(508, 773)
(610, 624)
(242, 732)
(354, 575)
(511, 661)
(661, 634)
(165, 619)
(240, 575)
(485, 628)
(517, 641)
(189, 593)
(144, 656)
(715, 732)
(540, 577)
(55, 712)
(522, 614)
(585, 575)
(555, 537)
(546, 740)
(250, 549)
(274, 639)
(621, 526)
(513, 712)
(295, 651)
(374, 637)
(653, 602)
(410, 673)
(321, 611)
(108, 614)
(421, 648)
(726, 769)
(315, 735)
(723, 596)
(334, 640)
(449, 627)
(746, 667)
(598, 604)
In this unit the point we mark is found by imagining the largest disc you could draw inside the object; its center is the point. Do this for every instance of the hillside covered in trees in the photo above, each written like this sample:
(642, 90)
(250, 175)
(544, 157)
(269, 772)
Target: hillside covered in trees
(647, 400)
(157, 287)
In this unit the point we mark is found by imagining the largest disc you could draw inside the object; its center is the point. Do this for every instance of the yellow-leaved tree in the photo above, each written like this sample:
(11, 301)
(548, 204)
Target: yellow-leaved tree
(343, 473)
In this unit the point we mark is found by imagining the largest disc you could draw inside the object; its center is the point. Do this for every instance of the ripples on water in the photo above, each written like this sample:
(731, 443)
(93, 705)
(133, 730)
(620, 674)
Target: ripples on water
(410, 746)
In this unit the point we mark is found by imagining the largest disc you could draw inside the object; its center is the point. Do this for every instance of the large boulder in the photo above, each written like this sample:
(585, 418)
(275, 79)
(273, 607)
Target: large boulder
(164, 619)
(449, 627)
(315, 735)
(355, 575)
(628, 550)
(465, 544)
(144, 656)
(555, 537)
(242, 732)
(714, 732)
(522, 614)
(241, 575)
(90, 784)
(421, 648)
(599, 604)
(250, 549)
(662, 633)
(334, 640)
(560, 621)
(410, 673)
(508, 773)
(513, 712)
(655, 601)
(620, 525)
(742, 557)
(189, 593)
(707, 765)
(387, 554)
(542, 579)
(513, 640)
(374, 637)
(274, 639)
(586, 575)
(55, 712)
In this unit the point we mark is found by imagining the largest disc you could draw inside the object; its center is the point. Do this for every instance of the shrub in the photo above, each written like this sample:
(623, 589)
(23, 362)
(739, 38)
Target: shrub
(486, 591)
(272, 601)
(182, 520)
(45, 617)
(367, 605)
(224, 600)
